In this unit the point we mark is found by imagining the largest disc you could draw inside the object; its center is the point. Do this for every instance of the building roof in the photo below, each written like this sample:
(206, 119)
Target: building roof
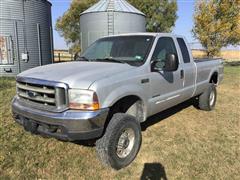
(113, 5)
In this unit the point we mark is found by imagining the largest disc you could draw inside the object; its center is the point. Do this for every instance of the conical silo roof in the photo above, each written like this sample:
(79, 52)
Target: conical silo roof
(113, 5)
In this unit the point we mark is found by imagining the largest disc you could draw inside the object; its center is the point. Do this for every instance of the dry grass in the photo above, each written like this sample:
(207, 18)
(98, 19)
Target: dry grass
(62, 55)
(182, 143)
(227, 55)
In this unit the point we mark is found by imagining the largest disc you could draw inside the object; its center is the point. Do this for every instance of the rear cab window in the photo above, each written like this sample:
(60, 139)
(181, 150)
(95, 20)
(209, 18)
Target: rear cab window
(184, 50)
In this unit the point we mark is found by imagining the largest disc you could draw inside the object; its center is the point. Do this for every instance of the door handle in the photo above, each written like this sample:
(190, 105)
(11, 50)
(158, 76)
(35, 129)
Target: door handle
(182, 74)
(143, 81)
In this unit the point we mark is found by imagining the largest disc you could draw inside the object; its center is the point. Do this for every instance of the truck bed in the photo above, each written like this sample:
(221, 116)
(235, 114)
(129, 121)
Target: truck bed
(198, 60)
(205, 68)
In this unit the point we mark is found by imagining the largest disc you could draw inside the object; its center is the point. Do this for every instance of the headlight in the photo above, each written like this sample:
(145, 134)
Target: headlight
(83, 99)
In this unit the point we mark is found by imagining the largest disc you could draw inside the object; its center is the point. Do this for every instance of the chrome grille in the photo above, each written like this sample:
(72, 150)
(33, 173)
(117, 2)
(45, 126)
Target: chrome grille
(44, 96)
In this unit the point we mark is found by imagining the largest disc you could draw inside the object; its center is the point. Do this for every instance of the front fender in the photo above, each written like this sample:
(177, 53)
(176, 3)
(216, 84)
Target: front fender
(124, 91)
(121, 92)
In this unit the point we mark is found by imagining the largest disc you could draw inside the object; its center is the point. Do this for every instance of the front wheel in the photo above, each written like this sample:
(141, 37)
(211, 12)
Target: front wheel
(121, 142)
(207, 100)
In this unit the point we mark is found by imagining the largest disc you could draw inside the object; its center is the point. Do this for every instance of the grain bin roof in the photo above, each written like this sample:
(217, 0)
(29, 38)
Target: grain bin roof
(113, 5)
(47, 1)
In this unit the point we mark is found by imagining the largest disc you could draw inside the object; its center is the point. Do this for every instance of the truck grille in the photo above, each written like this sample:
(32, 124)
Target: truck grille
(43, 96)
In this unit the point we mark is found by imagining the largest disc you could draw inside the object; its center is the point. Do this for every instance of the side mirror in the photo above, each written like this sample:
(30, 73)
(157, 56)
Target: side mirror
(171, 63)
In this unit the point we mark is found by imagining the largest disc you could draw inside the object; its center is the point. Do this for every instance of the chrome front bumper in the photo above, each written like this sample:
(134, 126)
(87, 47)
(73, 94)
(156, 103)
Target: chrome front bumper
(69, 125)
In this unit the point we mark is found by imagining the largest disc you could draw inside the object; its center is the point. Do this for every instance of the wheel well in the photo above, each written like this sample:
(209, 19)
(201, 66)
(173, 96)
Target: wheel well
(131, 105)
(214, 78)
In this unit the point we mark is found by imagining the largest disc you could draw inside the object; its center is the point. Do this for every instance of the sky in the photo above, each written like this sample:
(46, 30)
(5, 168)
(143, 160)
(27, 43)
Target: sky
(183, 26)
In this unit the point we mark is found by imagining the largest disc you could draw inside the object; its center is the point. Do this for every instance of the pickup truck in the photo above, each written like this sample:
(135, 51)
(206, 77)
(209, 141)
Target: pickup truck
(116, 84)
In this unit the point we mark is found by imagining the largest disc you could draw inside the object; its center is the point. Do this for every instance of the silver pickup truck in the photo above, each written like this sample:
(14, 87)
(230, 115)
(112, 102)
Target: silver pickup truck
(116, 84)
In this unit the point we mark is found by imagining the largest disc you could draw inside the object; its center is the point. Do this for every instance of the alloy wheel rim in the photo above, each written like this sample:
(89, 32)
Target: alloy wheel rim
(125, 143)
(212, 98)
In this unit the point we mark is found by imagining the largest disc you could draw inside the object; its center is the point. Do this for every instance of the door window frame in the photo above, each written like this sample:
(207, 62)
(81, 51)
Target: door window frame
(176, 47)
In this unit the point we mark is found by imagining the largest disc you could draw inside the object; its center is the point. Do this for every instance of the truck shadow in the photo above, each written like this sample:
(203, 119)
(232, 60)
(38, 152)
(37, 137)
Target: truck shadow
(153, 171)
(86, 143)
(167, 113)
(150, 121)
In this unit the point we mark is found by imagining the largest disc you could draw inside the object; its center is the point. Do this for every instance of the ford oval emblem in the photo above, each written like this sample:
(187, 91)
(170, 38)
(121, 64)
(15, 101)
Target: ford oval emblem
(32, 94)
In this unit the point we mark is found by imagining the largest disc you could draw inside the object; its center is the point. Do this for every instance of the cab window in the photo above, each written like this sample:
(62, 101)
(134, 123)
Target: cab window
(184, 50)
(165, 46)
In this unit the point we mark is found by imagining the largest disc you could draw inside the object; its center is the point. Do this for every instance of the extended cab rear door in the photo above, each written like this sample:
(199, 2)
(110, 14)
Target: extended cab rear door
(188, 68)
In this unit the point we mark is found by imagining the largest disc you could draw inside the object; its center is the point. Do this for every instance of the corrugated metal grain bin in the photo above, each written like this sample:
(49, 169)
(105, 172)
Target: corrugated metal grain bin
(109, 17)
(25, 35)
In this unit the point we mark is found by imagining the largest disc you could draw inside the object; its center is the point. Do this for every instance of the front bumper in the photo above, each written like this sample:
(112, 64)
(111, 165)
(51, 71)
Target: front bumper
(69, 125)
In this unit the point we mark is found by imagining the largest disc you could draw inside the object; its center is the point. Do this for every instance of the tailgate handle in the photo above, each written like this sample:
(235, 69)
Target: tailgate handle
(182, 74)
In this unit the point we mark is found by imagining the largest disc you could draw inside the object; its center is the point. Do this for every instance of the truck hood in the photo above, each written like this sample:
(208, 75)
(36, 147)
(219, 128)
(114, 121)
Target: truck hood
(76, 74)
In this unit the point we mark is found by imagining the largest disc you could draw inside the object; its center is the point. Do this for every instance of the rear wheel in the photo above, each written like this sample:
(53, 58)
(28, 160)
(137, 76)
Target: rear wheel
(207, 100)
(121, 141)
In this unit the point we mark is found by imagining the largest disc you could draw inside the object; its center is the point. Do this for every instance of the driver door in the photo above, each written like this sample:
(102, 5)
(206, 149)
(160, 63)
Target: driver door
(166, 87)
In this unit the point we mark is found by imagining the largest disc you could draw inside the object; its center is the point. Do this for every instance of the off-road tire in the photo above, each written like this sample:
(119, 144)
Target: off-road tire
(204, 100)
(107, 145)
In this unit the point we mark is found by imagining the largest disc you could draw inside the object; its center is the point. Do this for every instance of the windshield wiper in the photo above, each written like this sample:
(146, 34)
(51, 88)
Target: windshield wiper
(110, 60)
(82, 58)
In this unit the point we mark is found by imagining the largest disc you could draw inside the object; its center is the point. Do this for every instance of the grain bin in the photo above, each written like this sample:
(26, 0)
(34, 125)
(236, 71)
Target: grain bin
(25, 35)
(109, 17)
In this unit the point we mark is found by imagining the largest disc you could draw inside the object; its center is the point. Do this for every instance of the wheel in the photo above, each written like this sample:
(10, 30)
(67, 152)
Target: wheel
(208, 98)
(121, 142)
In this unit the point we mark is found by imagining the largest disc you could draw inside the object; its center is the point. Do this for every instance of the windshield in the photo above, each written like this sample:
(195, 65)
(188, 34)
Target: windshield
(125, 49)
